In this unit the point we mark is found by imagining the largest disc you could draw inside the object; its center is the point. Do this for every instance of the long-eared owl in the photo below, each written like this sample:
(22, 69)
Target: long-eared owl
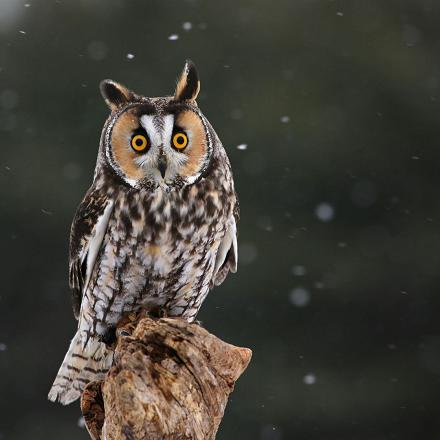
(156, 230)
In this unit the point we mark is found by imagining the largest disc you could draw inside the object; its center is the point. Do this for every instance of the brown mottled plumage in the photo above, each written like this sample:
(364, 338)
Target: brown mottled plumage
(156, 230)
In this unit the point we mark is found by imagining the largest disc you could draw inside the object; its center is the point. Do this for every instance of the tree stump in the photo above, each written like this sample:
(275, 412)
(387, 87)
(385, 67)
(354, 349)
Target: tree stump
(170, 381)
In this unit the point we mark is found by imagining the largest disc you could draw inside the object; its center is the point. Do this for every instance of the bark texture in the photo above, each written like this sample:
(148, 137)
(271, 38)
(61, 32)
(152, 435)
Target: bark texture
(170, 380)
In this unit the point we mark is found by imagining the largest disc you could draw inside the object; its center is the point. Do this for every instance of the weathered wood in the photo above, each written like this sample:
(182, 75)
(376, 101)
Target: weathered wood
(170, 381)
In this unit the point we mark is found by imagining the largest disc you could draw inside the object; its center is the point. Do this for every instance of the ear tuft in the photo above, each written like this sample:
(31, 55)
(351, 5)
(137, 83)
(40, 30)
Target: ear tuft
(188, 84)
(115, 94)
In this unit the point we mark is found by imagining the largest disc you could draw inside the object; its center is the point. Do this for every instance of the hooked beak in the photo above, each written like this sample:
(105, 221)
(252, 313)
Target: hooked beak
(162, 165)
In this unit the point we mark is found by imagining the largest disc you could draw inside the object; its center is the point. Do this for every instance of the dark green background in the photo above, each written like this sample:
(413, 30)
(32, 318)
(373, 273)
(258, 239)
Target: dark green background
(359, 81)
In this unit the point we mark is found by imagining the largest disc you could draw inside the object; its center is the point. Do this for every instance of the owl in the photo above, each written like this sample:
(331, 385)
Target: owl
(156, 231)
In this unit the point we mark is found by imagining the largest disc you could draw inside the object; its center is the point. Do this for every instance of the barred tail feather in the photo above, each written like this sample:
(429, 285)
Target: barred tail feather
(82, 364)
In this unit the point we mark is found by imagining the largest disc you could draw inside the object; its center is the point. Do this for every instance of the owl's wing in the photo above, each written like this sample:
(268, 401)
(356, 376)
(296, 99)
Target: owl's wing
(227, 254)
(86, 235)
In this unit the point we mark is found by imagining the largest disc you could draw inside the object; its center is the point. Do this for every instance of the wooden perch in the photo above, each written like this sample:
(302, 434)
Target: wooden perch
(170, 380)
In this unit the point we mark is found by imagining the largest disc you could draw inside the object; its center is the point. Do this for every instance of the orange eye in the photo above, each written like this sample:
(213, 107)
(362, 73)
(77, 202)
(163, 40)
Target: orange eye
(180, 140)
(139, 143)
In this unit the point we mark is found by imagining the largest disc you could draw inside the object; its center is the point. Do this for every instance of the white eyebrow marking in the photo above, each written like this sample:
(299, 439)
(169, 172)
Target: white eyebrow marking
(168, 128)
(158, 136)
(147, 122)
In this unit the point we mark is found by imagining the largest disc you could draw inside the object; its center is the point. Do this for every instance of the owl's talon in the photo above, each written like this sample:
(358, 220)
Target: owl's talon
(122, 333)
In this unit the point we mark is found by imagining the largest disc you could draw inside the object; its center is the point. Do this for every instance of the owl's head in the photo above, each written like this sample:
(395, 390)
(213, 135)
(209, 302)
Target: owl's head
(157, 142)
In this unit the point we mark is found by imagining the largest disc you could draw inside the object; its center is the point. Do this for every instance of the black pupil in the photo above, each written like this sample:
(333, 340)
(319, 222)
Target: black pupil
(139, 142)
(180, 139)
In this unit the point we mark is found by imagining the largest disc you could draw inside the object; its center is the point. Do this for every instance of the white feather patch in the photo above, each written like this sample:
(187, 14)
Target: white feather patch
(229, 241)
(95, 242)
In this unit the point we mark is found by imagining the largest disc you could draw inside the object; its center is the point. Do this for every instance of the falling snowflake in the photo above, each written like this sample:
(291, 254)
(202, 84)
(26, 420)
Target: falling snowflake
(130, 56)
(299, 270)
(248, 253)
(97, 50)
(309, 379)
(173, 37)
(325, 212)
(187, 26)
(299, 296)
(242, 147)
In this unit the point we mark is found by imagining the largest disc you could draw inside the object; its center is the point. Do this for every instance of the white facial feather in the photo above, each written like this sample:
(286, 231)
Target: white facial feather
(168, 129)
(160, 137)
